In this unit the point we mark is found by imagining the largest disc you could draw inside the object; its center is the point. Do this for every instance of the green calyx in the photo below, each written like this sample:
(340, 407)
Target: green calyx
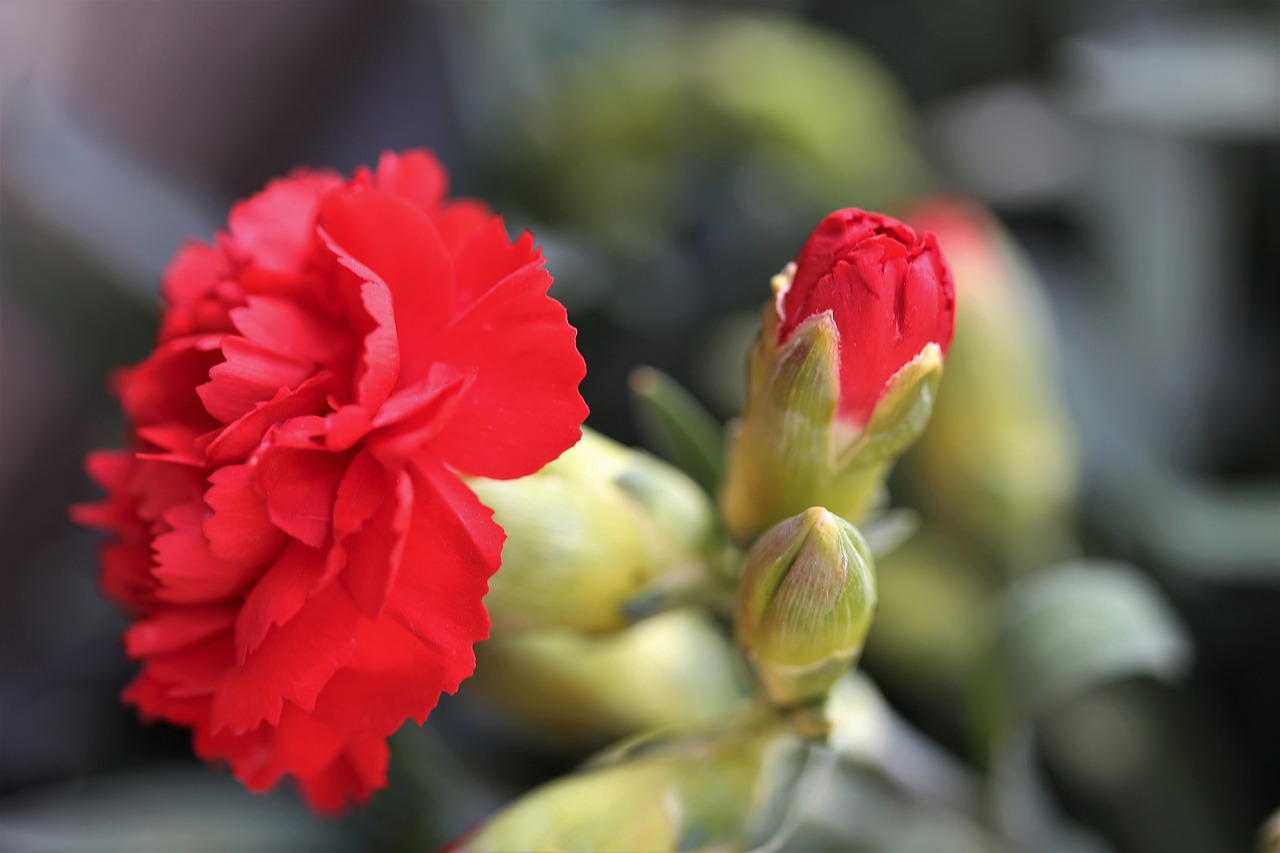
(791, 451)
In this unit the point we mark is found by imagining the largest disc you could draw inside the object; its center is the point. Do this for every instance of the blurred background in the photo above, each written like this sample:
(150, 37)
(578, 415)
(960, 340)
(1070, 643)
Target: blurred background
(1082, 640)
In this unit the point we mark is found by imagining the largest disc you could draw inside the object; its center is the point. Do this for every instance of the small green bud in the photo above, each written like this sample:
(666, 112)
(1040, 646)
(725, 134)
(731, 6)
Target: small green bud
(805, 604)
(589, 532)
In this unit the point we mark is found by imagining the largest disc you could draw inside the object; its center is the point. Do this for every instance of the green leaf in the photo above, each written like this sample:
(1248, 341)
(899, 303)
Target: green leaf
(677, 427)
(1079, 625)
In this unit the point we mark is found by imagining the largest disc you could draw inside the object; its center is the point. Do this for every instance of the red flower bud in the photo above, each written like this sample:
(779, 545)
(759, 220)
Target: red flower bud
(889, 293)
(841, 379)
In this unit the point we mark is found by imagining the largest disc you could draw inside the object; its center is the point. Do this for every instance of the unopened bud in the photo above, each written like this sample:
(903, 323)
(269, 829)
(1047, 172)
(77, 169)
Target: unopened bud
(590, 531)
(842, 376)
(805, 604)
(674, 669)
(724, 790)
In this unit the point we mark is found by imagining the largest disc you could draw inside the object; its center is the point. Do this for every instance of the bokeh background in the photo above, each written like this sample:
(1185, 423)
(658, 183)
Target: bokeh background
(1082, 639)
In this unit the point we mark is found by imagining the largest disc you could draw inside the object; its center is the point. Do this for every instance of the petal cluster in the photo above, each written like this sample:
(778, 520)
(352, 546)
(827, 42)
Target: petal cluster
(289, 526)
(888, 290)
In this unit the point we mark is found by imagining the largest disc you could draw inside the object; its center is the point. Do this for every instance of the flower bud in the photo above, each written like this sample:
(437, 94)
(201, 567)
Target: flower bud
(1000, 460)
(805, 604)
(589, 532)
(842, 377)
(584, 690)
(725, 790)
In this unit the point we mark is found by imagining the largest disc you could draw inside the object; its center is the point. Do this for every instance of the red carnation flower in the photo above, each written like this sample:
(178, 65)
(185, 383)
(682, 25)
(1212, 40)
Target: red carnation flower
(889, 292)
(290, 528)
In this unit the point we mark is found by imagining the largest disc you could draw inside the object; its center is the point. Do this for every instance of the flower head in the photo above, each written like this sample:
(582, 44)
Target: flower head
(304, 562)
(888, 291)
(841, 378)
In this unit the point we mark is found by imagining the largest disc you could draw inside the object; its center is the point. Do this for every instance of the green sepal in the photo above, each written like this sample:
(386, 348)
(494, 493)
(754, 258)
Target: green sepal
(781, 452)
(902, 413)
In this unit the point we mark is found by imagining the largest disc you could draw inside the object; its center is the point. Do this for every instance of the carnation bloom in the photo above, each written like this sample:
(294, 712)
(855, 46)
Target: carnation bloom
(304, 562)
(842, 375)
(888, 291)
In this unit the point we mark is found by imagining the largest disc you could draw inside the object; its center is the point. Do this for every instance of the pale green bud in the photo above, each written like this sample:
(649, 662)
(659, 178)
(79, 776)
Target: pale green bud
(723, 791)
(589, 532)
(805, 604)
(582, 690)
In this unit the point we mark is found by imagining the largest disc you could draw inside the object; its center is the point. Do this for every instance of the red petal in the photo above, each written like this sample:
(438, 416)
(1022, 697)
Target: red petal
(162, 388)
(345, 427)
(458, 221)
(240, 437)
(453, 547)
(110, 469)
(284, 326)
(240, 528)
(190, 287)
(278, 596)
(153, 700)
(523, 408)
(381, 357)
(175, 628)
(351, 778)
(374, 553)
(489, 258)
(365, 487)
(333, 769)
(126, 571)
(250, 374)
(195, 669)
(385, 238)
(300, 745)
(292, 663)
(301, 486)
(415, 176)
(419, 178)
(412, 416)
(275, 228)
(391, 677)
(177, 442)
(188, 573)
(160, 486)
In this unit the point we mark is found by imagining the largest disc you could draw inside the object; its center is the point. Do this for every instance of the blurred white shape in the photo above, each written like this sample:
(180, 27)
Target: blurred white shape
(1214, 76)
(1161, 108)
(867, 731)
